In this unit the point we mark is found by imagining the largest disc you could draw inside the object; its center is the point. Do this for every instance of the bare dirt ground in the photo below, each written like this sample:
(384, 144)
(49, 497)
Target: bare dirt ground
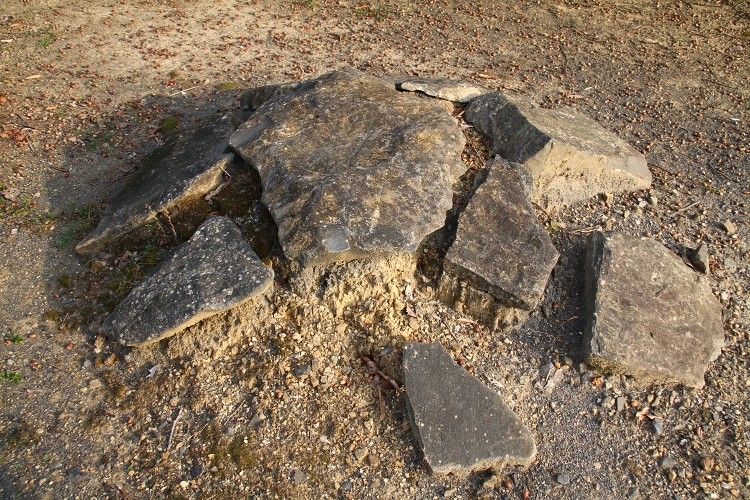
(219, 411)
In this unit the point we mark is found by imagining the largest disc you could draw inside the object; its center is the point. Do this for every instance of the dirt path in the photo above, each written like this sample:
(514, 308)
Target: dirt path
(88, 89)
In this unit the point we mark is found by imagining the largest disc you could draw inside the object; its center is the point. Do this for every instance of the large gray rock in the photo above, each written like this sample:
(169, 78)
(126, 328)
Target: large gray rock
(188, 164)
(352, 168)
(500, 247)
(648, 314)
(442, 88)
(461, 424)
(213, 271)
(570, 156)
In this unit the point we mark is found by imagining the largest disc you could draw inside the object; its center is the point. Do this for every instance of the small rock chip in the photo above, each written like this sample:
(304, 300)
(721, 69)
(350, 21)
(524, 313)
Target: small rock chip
(562, 479)
(620, 403)
(729, 227)
(607, 402)
(633, 494)
(658, 425)
(299, 477)
(196, 470)
(707, 464)
(346, 485)
(667, 462)
(672, 476)
(302, 370)
(699, 258)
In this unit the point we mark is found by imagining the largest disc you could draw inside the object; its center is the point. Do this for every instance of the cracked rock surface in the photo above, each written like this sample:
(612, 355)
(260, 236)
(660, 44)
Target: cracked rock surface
(352, 168)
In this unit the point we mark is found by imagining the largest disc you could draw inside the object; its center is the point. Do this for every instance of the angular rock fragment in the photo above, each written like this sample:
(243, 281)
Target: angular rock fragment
(570, 156)
(461, 424)
(648, 315)
(352, 168)
(442, 88)
(501, 250)
(188, 164)
(213, 271)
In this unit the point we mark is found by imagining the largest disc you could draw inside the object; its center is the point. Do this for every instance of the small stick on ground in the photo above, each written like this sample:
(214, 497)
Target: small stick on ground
(171, 432)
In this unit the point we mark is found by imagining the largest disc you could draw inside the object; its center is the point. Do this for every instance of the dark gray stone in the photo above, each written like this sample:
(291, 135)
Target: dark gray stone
(188, 164)
(252, 99)
(570, 156)
(648, 315)
(461, 424)
(443, 88)
(213, 271)
(352, 168)
(500, 246)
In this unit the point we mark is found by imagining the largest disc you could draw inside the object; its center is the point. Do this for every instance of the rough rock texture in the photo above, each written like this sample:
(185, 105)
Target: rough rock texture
(460, 424)
(570, 156)
(500, 248)
(352, 168)
(442, 88)
(252, 99)
(186, 165)
(213, 271)
(648, 314)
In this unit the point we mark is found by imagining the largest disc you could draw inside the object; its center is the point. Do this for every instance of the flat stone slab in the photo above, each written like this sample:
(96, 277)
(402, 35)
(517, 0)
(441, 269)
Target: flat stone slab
(461, 424)
(212, 272)
(351, 168)
(648, 314)
(188, 164)
(442, 88)
(571, 157)
(500, 246)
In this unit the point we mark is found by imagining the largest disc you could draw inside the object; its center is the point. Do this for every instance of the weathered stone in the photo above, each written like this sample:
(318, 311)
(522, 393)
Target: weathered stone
(252, 99)
(699, 258)
(188, 164)
(570, 156)
(352, 168)
(500, 248)
(461, 424)
(648, 315)
(442, 88)
(212, 272)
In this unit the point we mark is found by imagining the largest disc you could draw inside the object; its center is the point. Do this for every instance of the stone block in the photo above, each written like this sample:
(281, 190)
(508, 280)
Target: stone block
(570, 156)
(648, 314)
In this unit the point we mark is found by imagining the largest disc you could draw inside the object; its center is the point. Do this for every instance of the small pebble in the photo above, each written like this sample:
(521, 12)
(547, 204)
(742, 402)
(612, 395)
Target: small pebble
(658, 426)
(299, 477)
(667, 462)
(346, 485)
(620, 403)
(562, 479)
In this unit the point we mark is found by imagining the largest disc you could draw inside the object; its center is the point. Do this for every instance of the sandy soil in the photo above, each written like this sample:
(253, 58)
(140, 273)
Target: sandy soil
(217, 412)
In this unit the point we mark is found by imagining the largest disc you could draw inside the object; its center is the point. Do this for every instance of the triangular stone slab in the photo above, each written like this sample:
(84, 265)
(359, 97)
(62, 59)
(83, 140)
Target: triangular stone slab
(648, 314)
(188, 164)
(501, 248)
(352, 168)
(212, 272)
(461, 424)
(570, 156)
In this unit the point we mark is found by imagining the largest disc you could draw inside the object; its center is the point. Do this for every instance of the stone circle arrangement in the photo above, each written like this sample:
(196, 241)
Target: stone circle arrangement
(357, 169)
